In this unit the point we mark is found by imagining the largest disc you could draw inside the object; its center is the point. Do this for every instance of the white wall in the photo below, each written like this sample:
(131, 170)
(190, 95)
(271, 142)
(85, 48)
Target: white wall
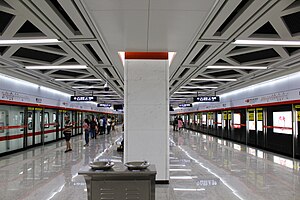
(15, 90)
(278, 90)
(147, 113)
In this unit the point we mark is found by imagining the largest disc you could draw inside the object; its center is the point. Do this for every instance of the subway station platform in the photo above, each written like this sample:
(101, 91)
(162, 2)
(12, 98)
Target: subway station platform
(201, 167)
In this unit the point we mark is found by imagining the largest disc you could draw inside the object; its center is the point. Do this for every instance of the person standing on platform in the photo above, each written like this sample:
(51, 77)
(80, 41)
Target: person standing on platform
(86, 128)
(113, 122)
(104, 125)
(93, 126)
(175, 124)
(68, 132)
(180, 123)
(109, 122)
(101, 127)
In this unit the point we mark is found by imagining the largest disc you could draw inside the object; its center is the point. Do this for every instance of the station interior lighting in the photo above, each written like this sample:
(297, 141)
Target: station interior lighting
(29, 41)
(267, 42)
(199, 87)
(57, 67)
(76, 79)
(213, 79)
(235, 67)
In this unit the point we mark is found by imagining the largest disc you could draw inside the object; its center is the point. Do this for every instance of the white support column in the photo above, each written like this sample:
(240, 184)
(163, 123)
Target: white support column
(146, 113)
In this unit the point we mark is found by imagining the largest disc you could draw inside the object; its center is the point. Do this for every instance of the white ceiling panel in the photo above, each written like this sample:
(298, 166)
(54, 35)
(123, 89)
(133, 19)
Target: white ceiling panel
(186, 5)
(117, 4)
(123, 30)
(173, 30)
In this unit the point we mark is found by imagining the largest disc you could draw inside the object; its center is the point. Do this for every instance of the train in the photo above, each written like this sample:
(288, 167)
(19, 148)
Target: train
(272, 127)
(23, 127)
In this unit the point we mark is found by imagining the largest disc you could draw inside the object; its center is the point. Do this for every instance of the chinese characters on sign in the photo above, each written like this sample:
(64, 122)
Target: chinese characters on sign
(207, 99)
(104, 105)
(83, 98)
(185, 105)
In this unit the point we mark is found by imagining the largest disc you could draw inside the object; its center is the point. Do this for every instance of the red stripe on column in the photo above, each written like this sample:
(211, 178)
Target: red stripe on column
(147, 55)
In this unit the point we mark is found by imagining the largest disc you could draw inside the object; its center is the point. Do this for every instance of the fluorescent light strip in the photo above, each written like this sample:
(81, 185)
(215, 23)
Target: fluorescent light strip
(267, 42)
(200, 87)
(183, 177)
(75, 79)
(177, 165)
(180, 170)
(29, 41)
(236, 67)
(187, 92)
(86, 86)
(57, 67)
(214, 79)
(188, 189)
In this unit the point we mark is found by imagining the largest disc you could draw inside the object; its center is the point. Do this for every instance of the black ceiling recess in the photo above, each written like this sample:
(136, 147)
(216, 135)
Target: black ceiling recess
(28, 27)
(36, 55)
(257, 55)
(266, 29)
(292, 22)
(5, 20)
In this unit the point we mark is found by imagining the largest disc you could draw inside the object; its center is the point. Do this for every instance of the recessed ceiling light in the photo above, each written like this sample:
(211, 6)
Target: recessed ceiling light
(267, 42)
(185, 92)
(76, 79)
(29, 41)
(86, 86)
(213, 79)
(189, 189)
(236, 67)
(57, 67)
(200, 87)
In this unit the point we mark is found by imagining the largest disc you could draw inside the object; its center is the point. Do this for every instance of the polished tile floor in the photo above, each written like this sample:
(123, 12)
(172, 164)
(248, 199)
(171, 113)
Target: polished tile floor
(201, 167)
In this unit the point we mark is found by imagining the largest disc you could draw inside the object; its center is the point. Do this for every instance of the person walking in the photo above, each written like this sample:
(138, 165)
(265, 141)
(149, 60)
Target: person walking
(86, 128)
(180, 123)
(93, 126)
(67, 133)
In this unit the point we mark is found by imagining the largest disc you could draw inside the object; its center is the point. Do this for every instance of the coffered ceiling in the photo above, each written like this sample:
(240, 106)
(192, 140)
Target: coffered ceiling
(201, 32)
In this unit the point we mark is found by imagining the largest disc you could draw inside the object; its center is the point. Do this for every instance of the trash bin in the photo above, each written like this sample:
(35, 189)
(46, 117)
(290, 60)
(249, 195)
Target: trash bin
(120, 183)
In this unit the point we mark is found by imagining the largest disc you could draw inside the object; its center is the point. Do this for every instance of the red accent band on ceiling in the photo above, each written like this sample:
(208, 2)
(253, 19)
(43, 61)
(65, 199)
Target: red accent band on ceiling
(147, 55)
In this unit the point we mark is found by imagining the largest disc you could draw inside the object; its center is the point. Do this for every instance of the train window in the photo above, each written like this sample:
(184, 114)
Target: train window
(46, 120)
(21, 120)
(2, 117)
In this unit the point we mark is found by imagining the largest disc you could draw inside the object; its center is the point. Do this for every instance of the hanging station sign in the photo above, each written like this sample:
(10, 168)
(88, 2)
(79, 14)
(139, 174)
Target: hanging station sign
(185, 105)
(83, 98)
(104, 105)
(207, 99)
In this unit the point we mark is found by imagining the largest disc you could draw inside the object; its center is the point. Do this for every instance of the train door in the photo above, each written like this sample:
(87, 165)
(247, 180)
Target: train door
(210, 123)
(38, 128)
(4, 131)
(218, 125)
(251, 127)
(49, 125)
(11, 128)
(297, 132)
(79, 123)
(239, 125)
(260, 124)
(225, 124)
(204, 122)
(279, 136)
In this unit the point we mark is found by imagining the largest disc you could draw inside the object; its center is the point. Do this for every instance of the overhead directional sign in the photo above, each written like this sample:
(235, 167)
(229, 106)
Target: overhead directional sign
(83, 98)
(104, 105)
(185, 105)
(207, 99)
